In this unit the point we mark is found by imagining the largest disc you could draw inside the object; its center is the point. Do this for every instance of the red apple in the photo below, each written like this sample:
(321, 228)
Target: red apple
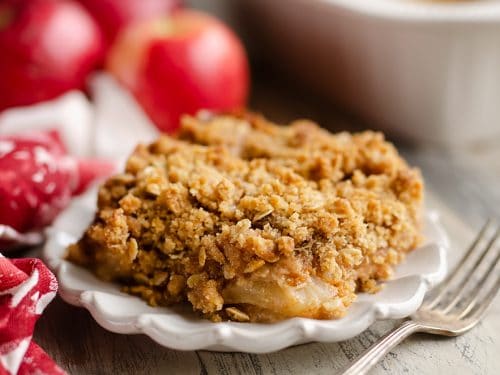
(180, 64)
(48, 47)
(113, 15)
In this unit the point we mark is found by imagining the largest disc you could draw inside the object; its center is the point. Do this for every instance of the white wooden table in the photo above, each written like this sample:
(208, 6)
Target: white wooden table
(463, 184)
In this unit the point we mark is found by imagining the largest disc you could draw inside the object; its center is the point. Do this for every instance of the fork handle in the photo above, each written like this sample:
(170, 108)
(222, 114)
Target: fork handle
(378, 350)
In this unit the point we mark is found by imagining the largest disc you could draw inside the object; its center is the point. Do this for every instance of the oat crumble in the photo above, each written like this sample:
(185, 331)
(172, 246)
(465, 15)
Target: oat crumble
(250, 221)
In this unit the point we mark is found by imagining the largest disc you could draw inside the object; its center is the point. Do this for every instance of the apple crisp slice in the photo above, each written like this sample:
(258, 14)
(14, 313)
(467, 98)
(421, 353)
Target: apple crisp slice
(250, 221)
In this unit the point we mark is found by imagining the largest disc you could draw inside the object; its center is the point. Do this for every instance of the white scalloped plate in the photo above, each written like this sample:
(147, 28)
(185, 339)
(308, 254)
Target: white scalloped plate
(179, 328)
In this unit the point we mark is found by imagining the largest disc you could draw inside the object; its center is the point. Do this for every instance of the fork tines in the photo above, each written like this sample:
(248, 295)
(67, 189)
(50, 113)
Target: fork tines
(470, 287)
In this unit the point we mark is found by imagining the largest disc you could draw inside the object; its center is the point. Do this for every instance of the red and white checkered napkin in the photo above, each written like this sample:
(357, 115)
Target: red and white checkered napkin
(26, 287)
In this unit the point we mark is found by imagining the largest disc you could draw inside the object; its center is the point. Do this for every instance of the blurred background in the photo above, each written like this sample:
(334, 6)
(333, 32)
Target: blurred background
(426, 72)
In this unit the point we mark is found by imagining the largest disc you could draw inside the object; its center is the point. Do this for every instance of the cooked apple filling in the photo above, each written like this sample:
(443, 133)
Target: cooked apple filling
(250, 221)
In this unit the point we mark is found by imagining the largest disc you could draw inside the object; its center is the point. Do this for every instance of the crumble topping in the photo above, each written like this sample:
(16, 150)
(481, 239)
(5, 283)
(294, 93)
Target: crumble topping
(250, 221)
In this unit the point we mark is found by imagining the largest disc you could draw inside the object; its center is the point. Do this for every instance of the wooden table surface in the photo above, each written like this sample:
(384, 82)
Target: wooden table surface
(463, 184)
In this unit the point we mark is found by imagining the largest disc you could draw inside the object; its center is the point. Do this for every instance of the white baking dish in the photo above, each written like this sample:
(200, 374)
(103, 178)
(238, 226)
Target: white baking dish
(424, 71)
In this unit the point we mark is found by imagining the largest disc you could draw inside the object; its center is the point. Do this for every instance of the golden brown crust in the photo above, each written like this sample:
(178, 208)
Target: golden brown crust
(247, 220)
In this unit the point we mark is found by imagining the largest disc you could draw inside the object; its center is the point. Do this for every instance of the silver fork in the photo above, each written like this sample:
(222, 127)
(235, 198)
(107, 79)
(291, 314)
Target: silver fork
(448, 310)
